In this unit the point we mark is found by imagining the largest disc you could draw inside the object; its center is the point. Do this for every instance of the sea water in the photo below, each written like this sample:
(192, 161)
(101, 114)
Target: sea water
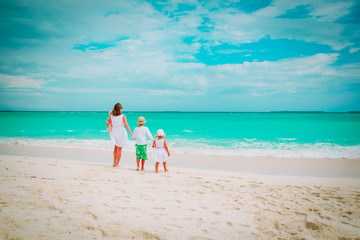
(310, 135)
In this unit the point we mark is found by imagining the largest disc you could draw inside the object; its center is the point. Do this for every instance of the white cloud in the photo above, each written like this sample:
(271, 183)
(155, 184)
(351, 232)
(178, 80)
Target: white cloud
(173, 93)
(331, 11)
(243, 28)
(354, 50)
(79, 90)
(8, 81)
(237, 28)
(287, 75)
(320, 10)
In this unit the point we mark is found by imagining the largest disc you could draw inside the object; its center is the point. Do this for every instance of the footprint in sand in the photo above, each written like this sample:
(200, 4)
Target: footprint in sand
(316, 194)
(349, 212)
(195, 177)
(91, 214)
(256, 182)
(90, 228)
(147, 235)
(53, 208)
(229, 223)
(159, 208)
(312, 226)
(244, 225)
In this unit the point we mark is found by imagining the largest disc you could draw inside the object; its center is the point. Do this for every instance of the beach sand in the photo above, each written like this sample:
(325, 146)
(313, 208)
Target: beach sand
(54, 193)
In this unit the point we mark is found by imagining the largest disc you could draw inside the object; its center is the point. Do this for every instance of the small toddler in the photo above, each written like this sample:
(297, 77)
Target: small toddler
(161, 151)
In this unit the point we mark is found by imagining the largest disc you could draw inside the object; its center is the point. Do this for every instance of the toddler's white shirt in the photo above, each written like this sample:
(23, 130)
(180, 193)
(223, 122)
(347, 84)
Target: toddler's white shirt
(140, 135)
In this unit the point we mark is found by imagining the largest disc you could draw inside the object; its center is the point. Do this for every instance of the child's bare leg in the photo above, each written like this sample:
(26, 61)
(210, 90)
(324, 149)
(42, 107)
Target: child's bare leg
(115, 154)
(137, 164)
(165, 169)
(142, 164)
(118, 156)
(157, 167)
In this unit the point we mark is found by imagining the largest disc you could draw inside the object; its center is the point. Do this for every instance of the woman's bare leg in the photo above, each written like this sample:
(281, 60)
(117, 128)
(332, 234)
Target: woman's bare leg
(118, 156)
(115, 153)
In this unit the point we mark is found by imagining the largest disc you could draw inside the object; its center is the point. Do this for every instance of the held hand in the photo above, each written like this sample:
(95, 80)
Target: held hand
(168, 154)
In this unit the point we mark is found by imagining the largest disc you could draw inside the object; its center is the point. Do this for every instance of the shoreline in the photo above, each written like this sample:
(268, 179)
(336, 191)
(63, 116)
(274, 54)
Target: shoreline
(319, 167)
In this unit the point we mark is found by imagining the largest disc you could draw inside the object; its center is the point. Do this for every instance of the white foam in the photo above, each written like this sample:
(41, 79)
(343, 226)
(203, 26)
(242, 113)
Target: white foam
(251, 147)
(188, 131)
(249, 139)
(247, 148)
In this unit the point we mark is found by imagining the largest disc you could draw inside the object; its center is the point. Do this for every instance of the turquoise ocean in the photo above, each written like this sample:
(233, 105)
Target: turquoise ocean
(278, 134)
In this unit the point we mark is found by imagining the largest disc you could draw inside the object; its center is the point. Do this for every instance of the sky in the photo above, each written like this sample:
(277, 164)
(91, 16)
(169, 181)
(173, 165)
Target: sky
(191, 55)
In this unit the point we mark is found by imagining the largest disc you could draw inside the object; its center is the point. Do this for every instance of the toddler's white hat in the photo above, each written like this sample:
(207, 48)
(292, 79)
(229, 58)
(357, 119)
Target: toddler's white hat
(160, 132)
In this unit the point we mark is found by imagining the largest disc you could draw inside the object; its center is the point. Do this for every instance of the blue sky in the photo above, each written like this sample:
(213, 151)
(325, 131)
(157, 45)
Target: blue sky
(194, 55)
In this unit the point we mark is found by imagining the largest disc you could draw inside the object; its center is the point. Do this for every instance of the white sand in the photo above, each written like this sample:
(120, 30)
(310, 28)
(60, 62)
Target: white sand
(49, 198)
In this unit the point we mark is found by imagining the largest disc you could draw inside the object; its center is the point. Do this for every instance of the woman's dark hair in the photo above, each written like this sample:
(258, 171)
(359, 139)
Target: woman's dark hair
(117, 109)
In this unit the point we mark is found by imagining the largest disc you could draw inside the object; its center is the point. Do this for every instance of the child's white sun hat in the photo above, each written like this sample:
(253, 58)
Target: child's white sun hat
(160, 132)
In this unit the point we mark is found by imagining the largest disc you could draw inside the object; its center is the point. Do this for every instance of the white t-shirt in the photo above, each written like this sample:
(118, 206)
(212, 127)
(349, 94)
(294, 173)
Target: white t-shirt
(140, 135)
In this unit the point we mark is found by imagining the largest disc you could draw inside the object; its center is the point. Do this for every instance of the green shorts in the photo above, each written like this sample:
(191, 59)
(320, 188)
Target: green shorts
(141, 152)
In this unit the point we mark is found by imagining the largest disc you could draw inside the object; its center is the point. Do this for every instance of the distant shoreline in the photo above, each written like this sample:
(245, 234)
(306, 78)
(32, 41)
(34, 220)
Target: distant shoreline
(351, 112)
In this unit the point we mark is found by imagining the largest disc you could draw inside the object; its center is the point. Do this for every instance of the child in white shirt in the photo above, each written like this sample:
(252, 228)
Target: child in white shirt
(140, 134)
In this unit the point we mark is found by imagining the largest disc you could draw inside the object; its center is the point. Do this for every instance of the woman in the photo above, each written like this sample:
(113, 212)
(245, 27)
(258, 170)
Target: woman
(118, 133)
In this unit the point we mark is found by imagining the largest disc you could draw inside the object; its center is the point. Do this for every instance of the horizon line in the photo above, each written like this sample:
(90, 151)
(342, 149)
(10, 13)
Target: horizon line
(172, 111)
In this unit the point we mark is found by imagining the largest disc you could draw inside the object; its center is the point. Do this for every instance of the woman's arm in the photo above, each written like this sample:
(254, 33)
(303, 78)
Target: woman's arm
(134, 135)
(166, 148)
(108, 122)
(127, 125)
